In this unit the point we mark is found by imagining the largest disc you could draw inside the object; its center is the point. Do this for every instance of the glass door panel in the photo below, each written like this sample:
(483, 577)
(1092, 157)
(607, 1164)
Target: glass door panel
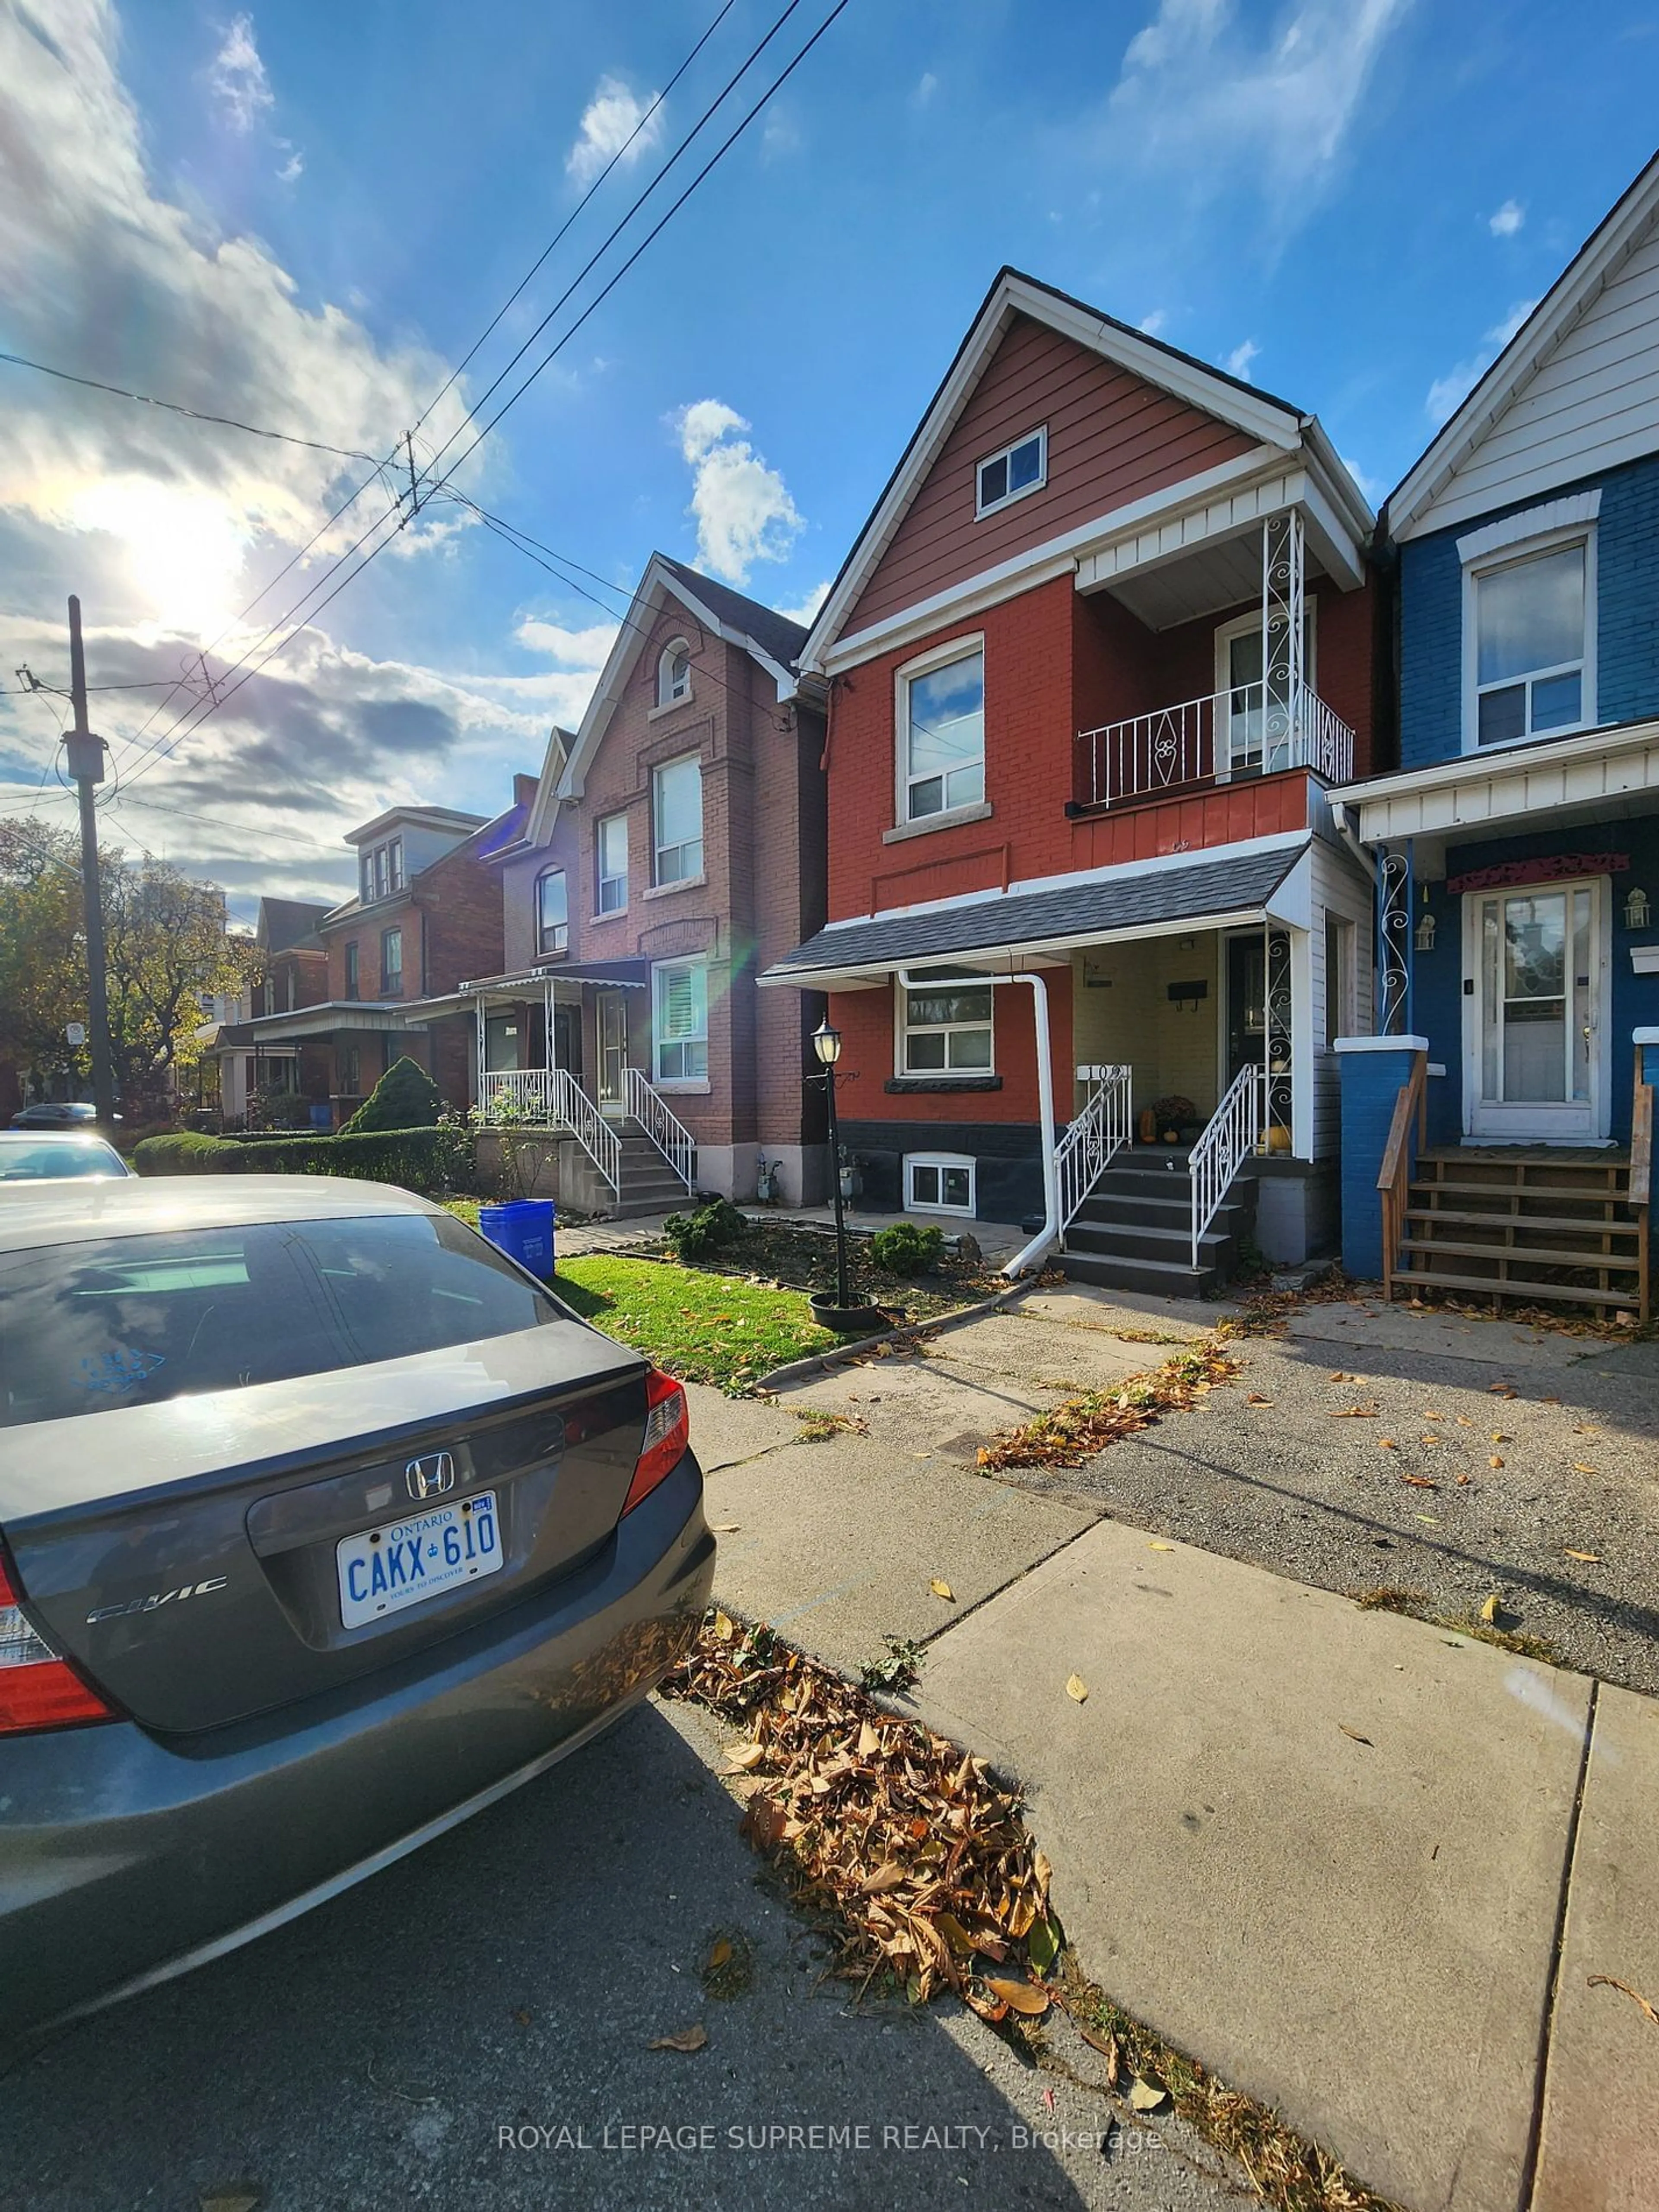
(1537, 1042)
(612, 1024)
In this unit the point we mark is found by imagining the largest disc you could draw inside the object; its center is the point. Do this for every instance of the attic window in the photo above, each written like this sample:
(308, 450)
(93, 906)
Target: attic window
(674, 674)
(1007, 476)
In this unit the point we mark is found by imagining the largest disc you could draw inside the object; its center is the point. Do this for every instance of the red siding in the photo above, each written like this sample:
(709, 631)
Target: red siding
(1112, 440)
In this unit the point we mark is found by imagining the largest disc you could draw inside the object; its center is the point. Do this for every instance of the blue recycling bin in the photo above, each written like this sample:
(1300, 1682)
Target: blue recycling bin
(523, 1228)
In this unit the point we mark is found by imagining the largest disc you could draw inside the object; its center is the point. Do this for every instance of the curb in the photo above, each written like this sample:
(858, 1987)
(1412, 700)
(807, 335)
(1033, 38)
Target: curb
(820, 1362)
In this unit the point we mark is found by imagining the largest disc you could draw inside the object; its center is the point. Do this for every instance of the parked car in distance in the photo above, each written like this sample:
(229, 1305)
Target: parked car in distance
(57, 1114)
(322, 1526)
(31, 1156)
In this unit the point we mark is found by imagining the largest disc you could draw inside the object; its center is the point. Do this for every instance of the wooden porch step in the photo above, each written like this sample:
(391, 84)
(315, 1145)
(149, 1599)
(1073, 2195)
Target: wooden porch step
(1569, 1193)
(1536, 1255)
(1528, 1292)
(1576, 1225)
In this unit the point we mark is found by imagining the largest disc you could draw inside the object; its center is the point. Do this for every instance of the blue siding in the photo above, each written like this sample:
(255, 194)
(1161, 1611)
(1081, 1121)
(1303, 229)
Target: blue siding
(1371, 1083)
(1627, 616)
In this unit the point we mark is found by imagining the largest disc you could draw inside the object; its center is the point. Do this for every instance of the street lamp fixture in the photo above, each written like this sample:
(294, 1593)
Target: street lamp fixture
(826, 1043)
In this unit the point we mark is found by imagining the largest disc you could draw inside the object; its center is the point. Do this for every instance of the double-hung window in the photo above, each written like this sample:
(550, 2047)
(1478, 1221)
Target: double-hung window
(391, 964)
(351, 988)
(941, 719)
(946, 1031)
(612, 847)
(1009, 474)
(1531, 644)
(552, 912)
(676, 819)
(680, 989)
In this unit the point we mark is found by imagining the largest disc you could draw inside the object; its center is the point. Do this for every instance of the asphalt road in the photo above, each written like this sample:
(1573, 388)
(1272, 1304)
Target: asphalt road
(471, 2029)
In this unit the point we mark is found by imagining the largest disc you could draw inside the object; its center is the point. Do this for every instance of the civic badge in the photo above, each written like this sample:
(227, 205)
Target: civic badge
(430, 1476)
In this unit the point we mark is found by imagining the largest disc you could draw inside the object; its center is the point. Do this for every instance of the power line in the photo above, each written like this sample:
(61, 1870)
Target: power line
(173, 407)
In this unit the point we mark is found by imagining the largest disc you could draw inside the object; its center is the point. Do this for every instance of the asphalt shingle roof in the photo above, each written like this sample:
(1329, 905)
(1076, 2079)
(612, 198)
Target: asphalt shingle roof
(1122, 903)
(773, 633)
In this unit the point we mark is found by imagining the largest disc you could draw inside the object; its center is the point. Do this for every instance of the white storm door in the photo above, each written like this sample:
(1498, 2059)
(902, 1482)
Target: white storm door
(1536, 1038)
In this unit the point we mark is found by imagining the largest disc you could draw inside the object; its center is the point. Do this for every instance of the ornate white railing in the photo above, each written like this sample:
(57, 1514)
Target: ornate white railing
(1084, 1152)
(1240, 732)
(662, 1125)
(1232, 1134)
(529, 1089)
(575, 1111)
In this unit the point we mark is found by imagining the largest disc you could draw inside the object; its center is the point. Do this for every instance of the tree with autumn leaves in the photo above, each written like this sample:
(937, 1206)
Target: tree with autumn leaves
(166, 944)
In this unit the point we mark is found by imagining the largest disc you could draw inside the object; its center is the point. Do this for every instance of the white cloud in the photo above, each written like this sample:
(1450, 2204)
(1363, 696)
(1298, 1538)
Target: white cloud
(1369, 486)
(609, 122)
(293, 167)
(1154, 323)
(1508, 220)
(1446, 393)
(1207, 96)
(927, 86)
(804, 611)
(571, 648)
(237, 77)
(1238, 361)
(744, 510)
(781, 136)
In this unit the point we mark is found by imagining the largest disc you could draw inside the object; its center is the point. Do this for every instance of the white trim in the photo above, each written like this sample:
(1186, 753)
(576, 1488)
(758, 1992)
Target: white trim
(1408, 511)
(1382, 1044)
(1532, 522)
(962, 648)
(1509, 761)
(1515, 553)
(982, 507)
(658, 881)
(696, 960)
(669, 692)
(941, 1160)
(952, 818)
(1547, 1121)
(902, 1073)
(1245, 625)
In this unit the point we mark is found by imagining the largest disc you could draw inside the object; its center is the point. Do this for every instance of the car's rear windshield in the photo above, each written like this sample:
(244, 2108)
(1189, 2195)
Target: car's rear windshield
(92, 1327)
(46, 1162)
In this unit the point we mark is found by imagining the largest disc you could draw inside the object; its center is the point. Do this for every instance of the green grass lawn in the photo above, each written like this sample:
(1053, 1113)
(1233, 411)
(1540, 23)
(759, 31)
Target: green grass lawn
(701, 1327)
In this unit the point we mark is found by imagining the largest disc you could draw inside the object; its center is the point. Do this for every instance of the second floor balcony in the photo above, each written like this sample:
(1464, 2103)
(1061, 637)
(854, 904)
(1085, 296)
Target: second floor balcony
(1251, 729)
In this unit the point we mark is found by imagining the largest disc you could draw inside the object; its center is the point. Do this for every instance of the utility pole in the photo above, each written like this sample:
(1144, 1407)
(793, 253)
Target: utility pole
(85, 765)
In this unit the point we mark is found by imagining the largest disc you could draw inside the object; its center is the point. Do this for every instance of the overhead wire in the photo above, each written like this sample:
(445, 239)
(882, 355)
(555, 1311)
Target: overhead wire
(173, 407)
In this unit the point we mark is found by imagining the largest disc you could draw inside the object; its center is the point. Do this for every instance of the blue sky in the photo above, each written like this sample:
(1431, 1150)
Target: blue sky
(305, 214)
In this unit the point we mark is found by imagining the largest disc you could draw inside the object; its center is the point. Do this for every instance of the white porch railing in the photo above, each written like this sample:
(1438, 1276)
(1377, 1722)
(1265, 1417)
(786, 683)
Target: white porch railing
(552, 1096)
(530, 1090)
(662, 1125)
(1084, 1152)
(1233, 1133)
(1239, 731)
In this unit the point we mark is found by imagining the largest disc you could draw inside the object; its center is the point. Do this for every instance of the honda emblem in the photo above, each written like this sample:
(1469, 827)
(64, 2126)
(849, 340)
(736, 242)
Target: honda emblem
(430, 1476)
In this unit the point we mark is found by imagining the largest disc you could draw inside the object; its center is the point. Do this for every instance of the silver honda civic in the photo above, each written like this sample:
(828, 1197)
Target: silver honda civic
(322, 1526)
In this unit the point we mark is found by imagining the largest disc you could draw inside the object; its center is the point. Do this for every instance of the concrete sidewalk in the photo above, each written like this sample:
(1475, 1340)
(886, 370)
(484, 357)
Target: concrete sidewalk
(1361, 1867)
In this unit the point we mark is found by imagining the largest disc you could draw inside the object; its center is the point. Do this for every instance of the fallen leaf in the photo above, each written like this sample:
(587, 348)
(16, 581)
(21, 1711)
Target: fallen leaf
(1499, 1437)
(869, 1740)
(1591, 1558)
(1386, 1443)
(1610, 1982)
(1098, 2039)
(522, 2017)
(1355, 1734)
(1350, 1413)
(1489, 1611)
(1464, 1422)
(1020, 1997)
(1509, 1390)
(1579, 1468)
(239, 2197)
(684, 2038)
(1156, 1547)
(744, 1756)
(719, 1956)
(1549, 1401)
(725, 1627)
(1255, 1398)
(1420, 1481)
(1428, 1517)
(1429, 1414)
(1340, 1377)
(1076, 1687)
(1043, 1945)
(1145, 2096)
(888, 1875)
(1494, 1461)
(1431, 1440)
(944, 1591)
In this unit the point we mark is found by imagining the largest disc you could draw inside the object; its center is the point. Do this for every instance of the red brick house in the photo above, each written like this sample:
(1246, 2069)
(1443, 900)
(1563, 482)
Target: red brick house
(674, 847)
(292, 977)
(426, 918)
(1094, 663)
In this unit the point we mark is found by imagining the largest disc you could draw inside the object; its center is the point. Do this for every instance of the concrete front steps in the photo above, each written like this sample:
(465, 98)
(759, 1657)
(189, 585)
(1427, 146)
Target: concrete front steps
(1134, 1232)
(1535, 1228)
(649, 1185)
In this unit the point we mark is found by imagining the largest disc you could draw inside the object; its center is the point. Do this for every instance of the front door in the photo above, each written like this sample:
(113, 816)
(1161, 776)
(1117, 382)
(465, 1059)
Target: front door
(1247, 1003)
(1534, 1039)
(611, 1020)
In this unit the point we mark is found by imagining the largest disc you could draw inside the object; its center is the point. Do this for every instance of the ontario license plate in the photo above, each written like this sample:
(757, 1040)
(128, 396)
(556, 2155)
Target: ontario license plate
(384, 1569)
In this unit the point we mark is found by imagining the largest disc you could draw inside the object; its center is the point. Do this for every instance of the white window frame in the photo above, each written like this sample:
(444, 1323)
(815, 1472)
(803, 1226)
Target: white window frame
(601, 881)
(1340, 986)
(561, 929)
(1243, 626)
(658, 848)
(983, 506)
(902, 1071)
(387, 936)
(698, 963)
(927, 664)
(671, 692)
(961, 1161)
(1490, 562)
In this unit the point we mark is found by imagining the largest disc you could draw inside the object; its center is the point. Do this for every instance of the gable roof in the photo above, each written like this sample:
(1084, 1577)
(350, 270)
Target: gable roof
(770, 639)
(1271, 421)
(1622, 231)
(290, 925)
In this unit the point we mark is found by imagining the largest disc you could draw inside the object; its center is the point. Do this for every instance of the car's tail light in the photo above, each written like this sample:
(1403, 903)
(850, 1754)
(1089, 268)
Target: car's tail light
(667, 1435)
(38, 1690)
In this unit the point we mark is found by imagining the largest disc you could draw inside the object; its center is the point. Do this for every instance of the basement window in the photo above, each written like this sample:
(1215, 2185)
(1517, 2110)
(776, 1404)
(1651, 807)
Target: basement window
(939, 1183)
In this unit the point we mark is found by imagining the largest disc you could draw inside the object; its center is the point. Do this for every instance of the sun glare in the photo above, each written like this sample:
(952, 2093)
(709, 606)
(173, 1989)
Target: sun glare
(184, 550)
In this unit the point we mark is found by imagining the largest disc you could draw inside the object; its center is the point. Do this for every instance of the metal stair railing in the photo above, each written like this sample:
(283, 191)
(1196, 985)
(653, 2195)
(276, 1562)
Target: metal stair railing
(576, 1112)
(1087, 1149)
(1232, 1133)
(662, 1125)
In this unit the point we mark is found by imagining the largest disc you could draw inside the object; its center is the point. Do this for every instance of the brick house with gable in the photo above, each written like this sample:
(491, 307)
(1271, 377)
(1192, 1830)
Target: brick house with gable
(1094, 662)
(674, 847)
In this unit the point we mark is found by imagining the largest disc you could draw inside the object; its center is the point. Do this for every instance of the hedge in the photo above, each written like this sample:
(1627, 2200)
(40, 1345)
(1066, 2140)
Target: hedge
(418, 1159)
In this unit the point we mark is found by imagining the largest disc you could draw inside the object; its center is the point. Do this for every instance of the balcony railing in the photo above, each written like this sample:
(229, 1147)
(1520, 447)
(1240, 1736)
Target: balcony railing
(1236, 732)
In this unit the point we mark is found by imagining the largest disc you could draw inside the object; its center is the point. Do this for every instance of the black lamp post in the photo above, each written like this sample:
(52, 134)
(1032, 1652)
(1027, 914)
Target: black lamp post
(826, 1042)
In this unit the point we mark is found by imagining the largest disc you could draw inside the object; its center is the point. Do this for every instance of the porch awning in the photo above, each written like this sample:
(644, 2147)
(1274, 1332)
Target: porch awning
(318, 1023)
(1127, 902)
(630, 975)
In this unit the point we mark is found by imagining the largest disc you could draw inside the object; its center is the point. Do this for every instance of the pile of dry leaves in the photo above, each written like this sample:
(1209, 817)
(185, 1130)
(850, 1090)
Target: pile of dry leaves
(908, 1848)
(1074, 1432)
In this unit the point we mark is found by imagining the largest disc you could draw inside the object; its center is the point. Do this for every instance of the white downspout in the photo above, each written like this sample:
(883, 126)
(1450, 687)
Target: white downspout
(1049, 1232)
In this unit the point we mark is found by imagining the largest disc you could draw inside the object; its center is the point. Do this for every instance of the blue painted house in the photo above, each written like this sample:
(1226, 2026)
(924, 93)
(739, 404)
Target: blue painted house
(1517, 842)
